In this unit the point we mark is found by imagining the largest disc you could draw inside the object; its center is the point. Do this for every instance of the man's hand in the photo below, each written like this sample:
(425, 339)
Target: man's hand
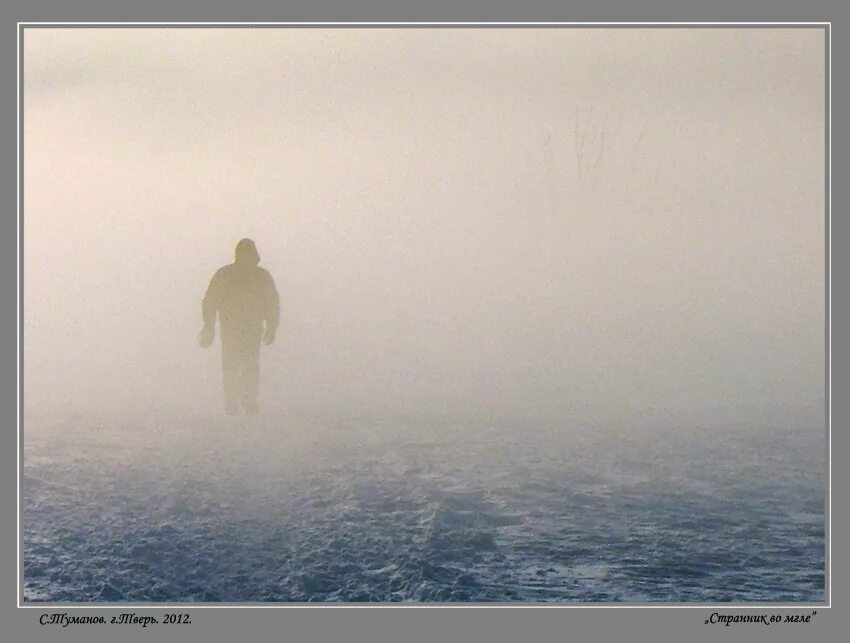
(206, 337)
(268, 338)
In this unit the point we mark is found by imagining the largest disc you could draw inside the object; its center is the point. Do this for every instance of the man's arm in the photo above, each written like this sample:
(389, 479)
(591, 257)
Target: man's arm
(271, 312)
(209, 310)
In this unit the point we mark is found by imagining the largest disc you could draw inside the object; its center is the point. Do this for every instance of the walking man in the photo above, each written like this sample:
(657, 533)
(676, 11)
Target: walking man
(244, 298)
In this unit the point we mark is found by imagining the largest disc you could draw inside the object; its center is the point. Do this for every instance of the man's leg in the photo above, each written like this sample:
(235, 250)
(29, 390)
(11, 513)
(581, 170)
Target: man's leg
(250, 378)
(230, 367)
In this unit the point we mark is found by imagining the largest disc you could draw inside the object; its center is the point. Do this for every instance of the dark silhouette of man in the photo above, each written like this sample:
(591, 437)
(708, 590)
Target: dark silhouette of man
(245, 299)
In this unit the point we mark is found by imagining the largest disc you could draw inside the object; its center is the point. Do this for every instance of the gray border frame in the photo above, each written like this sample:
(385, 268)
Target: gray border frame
(421, 624)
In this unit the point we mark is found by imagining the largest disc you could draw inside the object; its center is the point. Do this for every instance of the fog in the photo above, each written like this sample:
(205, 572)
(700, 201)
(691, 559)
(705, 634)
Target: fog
(597, 225)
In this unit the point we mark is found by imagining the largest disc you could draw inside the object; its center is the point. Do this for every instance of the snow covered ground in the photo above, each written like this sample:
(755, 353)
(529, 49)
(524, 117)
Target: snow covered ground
(215, 509)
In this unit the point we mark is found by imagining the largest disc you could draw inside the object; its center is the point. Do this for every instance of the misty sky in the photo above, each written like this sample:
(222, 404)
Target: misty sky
(595, 224)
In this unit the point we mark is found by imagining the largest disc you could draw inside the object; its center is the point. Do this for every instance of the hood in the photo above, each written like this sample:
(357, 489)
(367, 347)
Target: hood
(246, 252)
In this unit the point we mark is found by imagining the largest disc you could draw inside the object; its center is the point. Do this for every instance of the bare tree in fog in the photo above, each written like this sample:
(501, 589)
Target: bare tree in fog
(244, 298)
